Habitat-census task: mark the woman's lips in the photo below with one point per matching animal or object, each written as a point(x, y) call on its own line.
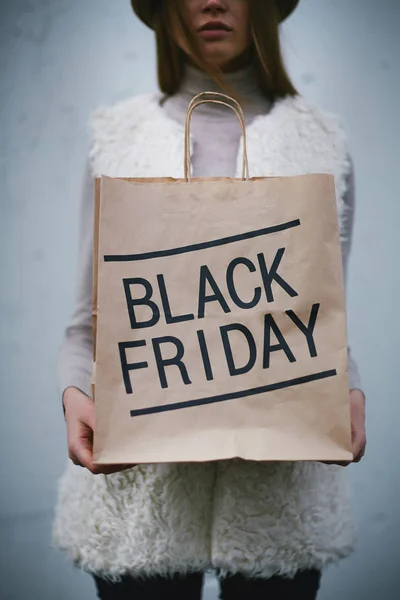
point(213, 35)
point(214, 31)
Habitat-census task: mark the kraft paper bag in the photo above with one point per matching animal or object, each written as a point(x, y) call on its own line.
point(219, 320)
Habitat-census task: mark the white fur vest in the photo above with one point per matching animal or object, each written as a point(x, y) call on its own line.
point(259, 519)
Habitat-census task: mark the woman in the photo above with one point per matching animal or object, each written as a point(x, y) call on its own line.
point(151, 531)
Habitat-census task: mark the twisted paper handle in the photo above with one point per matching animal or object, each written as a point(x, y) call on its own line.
point(222, 99)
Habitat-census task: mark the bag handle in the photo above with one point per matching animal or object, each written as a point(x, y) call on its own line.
point(224, 100)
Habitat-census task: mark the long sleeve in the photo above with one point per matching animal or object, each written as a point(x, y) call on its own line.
point(346, 237)
point(75, 361)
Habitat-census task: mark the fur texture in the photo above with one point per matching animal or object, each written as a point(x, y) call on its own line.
point(259, 519)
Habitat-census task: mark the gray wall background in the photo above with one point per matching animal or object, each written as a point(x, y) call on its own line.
point(59, 59)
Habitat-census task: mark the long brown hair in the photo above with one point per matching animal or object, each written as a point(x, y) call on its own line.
point(274, 80)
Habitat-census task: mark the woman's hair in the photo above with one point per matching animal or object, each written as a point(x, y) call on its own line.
point(273, 78)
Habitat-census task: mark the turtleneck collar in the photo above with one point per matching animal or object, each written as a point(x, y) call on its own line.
point(243, 83)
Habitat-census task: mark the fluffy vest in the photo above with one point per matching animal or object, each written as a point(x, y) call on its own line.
point(259, 519)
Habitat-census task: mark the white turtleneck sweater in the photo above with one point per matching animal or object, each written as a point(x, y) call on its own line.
point(216, 136)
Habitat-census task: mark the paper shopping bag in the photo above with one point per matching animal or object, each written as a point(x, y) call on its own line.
point(219, 320)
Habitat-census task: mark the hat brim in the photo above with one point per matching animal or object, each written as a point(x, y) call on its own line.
point(286, 7)
point(146, 9)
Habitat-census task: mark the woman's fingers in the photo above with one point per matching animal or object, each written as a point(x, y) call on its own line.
point(357, 410)
point(336, 463)
point(79, 416)
point(359, 444)
point(81, 451)
point(358, 436)
point(80, 444)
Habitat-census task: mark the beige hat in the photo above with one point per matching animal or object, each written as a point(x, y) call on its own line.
point(146, 9)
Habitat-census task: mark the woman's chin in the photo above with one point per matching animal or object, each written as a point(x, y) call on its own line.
point(221, 58)
point(216, 57)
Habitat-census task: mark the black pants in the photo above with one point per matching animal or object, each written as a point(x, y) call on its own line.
point(303, 587)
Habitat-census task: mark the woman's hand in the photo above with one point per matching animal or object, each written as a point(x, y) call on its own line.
point(358, 435)
point(79, 416)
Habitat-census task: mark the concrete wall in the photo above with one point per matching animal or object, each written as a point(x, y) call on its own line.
point(59, 59)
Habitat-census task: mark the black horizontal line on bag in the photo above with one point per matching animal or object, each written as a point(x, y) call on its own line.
point(202, 245)
point(234, 395)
